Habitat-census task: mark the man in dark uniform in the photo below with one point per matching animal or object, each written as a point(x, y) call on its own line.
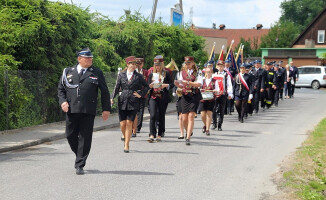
point(269, 85)
point(278, 83)
point(295, 76)
point(282, 69)
point(142, 101)
point(259, 84)
point(77, 92)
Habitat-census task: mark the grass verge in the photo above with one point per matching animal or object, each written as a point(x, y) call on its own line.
point(306, 176)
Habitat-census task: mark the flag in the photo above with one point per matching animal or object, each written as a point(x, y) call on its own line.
point(221, 56)
point(239, 61)
point(212, 57)
point(231, 57)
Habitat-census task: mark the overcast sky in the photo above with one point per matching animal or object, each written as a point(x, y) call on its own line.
point(234, 13)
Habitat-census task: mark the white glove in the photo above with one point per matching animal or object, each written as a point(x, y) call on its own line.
point(173, 94)
point(250, 96)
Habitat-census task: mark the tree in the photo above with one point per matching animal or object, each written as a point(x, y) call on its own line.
point(281, 35)
point(301, 12)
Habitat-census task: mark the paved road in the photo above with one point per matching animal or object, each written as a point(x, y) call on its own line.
point(236, 163)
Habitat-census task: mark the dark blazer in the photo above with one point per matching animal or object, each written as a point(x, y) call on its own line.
point(83, 99)
point(127, 101)
point(260, 76)
point(279, 79)
point(239, 88)
point(165, 92)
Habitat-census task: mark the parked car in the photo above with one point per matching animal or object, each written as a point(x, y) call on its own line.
point(312, 76)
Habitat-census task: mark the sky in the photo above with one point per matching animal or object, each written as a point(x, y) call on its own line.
point(235, 14)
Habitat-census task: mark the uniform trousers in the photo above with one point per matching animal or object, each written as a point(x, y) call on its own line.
point(276, 96)
point(293, 87)
point(270, 96)
point(256, 98)
point(263, 99)
point(156, 112)
point(220, 104)
point(140, 113)
point(79, 132)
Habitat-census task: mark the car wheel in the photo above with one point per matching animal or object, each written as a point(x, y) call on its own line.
point(315, 85)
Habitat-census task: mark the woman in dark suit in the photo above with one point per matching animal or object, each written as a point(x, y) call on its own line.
point(160, 83)
point(132, 86)
point(242, 91)
point(288, 82)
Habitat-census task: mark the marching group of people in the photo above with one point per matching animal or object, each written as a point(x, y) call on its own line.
point(213, 92)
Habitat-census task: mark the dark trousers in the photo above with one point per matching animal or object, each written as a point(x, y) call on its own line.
point(219, 108)
point(256, 98)
point(156, 112)
point(288, 89)
point(140, 113)
point(241, 105)
point(263, 99)
point(164, 108)
point(293, 87)
point(269, 96)
point(276, 96)
point(79, 132)
point(281, 92)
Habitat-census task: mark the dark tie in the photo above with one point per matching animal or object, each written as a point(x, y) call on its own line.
point(81, 73)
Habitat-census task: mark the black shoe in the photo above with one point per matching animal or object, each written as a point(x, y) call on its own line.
point(122, 139)
point(138, 131)
point(204, 129)
point(162, 134)
point(208, 133)
point(79, 171)
point(158, 139)
point(181, 137)
point(192, 133)
point(241, 120)
point(214, 127)
point(187, 142)
point(133, 135)
point(150, 140)
point(219, 128)
point(126, 150)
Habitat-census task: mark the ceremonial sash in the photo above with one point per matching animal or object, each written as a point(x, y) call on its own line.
point(244, 83)
point(220, 82)
point(227, 71)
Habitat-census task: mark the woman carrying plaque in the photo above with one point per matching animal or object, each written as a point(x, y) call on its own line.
point(242, 91)
point(189, 82)
point(206, 105)
point(160, 83)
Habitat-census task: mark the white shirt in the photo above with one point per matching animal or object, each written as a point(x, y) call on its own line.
point(228, 82)
point(79, 68)
point(129, 74)
point(199, 78)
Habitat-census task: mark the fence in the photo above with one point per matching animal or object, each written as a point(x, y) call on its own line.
point(29, 98)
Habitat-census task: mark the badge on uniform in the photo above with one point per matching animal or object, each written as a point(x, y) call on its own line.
point(69, 77)
point(92, 77)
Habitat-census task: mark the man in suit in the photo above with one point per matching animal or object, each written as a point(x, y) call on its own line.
point(77, 92)
point(295, 76)
point(259, 84)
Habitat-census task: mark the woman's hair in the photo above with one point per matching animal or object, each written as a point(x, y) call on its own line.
point(287, 66)
point(206, 71)
point(161, 70)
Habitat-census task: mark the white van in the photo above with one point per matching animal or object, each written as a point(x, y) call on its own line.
point(311, 76)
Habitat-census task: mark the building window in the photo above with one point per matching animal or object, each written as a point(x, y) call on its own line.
point(321, 36)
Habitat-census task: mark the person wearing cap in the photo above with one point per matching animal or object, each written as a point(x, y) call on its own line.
point(138, 123)
point(277, 83)
point(259, 85)
point(282, 69)
point(249, 108)
point(188, 82)
point(242, 91)
point(210, 64)
point(269, 84)
point(133, 87)
point(78, 92)
point(226, 89)
point(232, 73)
point(160, 82)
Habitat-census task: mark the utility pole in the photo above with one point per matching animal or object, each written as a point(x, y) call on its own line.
point(181, 7)
point(154, 10)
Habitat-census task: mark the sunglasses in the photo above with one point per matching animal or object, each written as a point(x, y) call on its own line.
point(132, 62)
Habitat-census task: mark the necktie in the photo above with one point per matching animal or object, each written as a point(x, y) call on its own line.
point(81, 73)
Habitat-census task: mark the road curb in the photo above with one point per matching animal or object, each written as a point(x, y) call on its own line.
point(62, 136)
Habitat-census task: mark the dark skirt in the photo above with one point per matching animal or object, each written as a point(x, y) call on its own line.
point(178, 105)
point(188, 104)
point(127, 115)
point(240, 98)
point(206, 106)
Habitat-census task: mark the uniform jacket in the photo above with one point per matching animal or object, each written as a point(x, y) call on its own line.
point(239, 88)
point(279, 79)
point(270, 78)
point(83, 99)
point(260, 76)
point(295, 73)
point(127, 101)
point(165, 92)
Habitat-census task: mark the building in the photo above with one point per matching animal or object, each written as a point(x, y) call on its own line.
point(306, 49)
point(223, 36)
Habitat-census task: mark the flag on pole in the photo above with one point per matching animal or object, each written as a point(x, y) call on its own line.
point(221, 56)
point(232, 59)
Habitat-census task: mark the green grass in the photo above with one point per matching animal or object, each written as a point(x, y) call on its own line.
point(307, 174)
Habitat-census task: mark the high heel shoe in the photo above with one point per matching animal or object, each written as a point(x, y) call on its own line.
point(125, 150)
